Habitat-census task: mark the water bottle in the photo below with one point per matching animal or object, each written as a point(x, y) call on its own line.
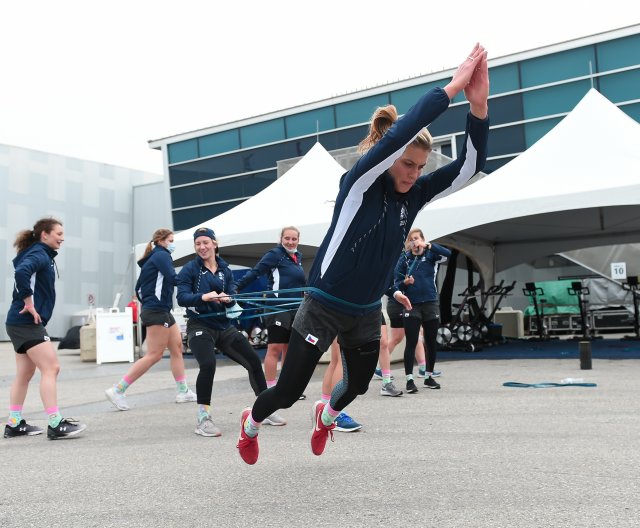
point(569, 381)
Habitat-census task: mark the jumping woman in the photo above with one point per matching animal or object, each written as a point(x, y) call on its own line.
point(378, 200)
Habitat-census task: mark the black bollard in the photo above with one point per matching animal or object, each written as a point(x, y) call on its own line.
point(585, 355)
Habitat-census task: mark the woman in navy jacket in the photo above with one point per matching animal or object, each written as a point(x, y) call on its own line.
point(34, 297)
point(205, 288)
point(415, 276)
point(154, 288)
point(283, 267)
point(378, 200)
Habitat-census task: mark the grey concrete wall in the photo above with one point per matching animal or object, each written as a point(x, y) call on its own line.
point(94, 201)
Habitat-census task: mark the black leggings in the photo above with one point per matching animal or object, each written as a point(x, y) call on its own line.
point(412, 333)
point(237, 348)
point(302, 357)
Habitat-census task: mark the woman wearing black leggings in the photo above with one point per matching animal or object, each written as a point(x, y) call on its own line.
point(415, 275)
point(204, 286)
point(378, 200)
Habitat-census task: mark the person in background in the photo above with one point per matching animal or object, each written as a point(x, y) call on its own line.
point(384, 358)
point(332, 376)
point(378, 200)
point(205, 288)
point(155, 287)
point(282, 266)
point(34, 298)
point(415, 276)
point(395, 312)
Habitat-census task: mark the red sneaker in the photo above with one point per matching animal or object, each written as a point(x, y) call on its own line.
point(319, 432)
point(247, 446)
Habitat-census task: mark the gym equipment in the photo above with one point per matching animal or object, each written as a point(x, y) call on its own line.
point(458, 334)
point(479, 321)
point(632, 285)
point(530, 290)
point(581, 291)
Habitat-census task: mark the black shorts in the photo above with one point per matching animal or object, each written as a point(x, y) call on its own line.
point(427, 311)
point(395, 311)
point(319, 325)
point(157, 318)
point(281, 319)
point(24, 337)
point(278, 335)
point(279, 326)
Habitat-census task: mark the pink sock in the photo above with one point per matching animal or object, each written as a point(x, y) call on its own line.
point(331, 412)
point(325, 398)
point(271, 383)
point(15, 407)
point(52, 410)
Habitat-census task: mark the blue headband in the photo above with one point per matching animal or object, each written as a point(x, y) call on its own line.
point(204, 231)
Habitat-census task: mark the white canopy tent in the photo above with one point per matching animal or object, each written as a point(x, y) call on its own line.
point(578, 186)
point(561, 194)
point(304, 197)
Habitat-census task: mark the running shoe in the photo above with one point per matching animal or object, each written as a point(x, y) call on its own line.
point(346, 424)
point(377, 375)
point(422, 371)
point(319, 432)
point(67, 428)
point(247, 445)
point(118, 399)
point(206, 427)
point(436, 374)
point(411, 387)
point(274, 419)
point(430, 383)
point(389, 389)
point(302, 397)
point(22, 429)
point(185, 397)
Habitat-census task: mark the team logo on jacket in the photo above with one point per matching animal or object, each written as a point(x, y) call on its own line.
point(403, 215)
point(311, 339)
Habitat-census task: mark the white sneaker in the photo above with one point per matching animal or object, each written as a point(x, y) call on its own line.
point(206, 427)
point(185, 397)
point(119, 400)
point(274, 419)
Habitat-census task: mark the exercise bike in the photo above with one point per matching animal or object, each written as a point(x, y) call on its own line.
point(457, 333)
point(580, 292)
point(533, 292)
point(632, 286)
point(479, 321)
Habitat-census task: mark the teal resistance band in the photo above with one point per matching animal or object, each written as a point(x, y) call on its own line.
point(256, 299)
point(545, 385)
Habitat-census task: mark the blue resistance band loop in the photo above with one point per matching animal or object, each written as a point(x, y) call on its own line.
point(260, 301)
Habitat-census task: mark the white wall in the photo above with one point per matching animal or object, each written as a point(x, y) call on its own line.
point(94, 201)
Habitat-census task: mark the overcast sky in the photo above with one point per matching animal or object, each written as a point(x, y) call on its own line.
point(97, 80)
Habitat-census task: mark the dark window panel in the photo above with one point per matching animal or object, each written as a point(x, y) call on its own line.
point(216, 191)
point(238, 162)
point(193, 217)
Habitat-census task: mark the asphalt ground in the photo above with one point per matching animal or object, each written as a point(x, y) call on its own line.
point(474, 454)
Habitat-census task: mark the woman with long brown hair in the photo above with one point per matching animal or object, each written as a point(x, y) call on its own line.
point(34, 297)
point(378, 200)
point(154, 288)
